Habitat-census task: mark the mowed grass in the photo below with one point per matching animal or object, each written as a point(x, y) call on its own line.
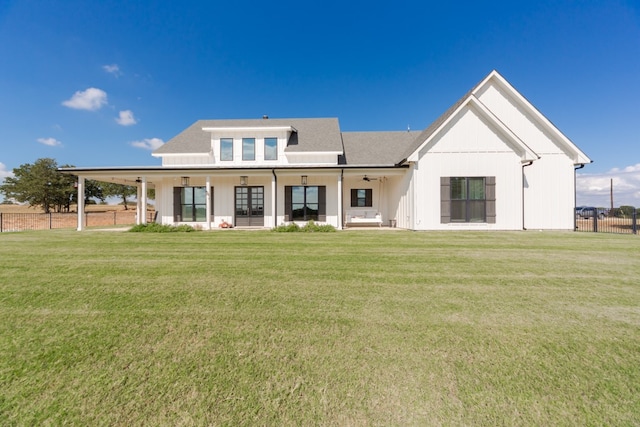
point(349, 328)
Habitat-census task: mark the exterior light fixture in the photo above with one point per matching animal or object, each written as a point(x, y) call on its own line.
point(303, 180)
point(244, 180)
point(185, 181)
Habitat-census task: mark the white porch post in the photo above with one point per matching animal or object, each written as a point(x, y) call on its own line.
point(274, 208)
point(143, 201)
point(80, 203)
point(208, 202)
point(340, 201)
point(138, 210)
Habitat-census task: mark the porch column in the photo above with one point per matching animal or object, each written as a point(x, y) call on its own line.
point(274, 199)
point(80, 203)
point(143, 200)
point(340, 202)
point(138, 209)
point(208, 202)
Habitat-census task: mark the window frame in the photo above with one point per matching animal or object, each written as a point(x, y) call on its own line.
point(180, 205)
point(321, 203)
point(275, 148)
point(448, 201)
point(359, 200)
point(245, 152)
point(226, 143)
point(468, 194)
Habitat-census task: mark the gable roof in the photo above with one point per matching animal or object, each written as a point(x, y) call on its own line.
point(572, 150)
point(309, 135)
point(470, 99)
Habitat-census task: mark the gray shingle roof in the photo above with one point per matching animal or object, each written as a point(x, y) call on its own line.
point(376, 148)
point(321, 134)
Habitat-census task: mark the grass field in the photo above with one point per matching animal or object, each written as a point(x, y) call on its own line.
point(349, 328)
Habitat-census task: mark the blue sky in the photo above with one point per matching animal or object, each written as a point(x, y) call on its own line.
point(101, 83)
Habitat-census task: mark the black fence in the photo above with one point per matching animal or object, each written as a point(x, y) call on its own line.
point(42, 221)
point(608, 222)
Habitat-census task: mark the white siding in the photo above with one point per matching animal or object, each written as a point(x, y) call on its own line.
point(506, 169)
point(549, 194)
point(468, 147)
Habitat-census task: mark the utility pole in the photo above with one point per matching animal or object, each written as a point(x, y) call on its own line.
point(611, 194)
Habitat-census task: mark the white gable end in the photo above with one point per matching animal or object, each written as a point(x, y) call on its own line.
point(471, 133)
point(524, 120)
point(473, 128)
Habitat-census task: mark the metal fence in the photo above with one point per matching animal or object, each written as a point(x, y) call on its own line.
point(622, 224)
point(50, 221)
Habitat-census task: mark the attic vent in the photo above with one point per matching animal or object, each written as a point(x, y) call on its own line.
point(265, 117)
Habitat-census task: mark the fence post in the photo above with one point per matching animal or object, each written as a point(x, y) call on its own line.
point(0, 222)
point(595, 222)
point(634, 221)
point(50, 220)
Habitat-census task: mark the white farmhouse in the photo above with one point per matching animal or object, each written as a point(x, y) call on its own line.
point(490, 162)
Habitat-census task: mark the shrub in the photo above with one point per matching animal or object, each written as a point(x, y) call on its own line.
point(160, 228)
point(309, 227)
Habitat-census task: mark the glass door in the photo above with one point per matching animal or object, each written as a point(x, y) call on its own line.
point(249, 206)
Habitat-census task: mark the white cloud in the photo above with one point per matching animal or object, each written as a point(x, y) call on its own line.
point(126, 118)
point(148, 143)
point(595, 189)
point(112, 69)
point(91, 99)
point(4, 173)
point(51, 142)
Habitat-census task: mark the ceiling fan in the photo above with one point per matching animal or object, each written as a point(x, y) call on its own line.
point(366, 178)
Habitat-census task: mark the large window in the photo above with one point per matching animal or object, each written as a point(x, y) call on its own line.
point(226, 149)
point(304, 203)
point(467, 199)
point(190, 204)
point(248, 148)
point(271, 148)
point(361, 198)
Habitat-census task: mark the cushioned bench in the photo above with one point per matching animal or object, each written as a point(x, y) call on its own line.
point(363, 218)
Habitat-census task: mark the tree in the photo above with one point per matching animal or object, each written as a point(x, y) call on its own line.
point(118, 190)
point(40, 184)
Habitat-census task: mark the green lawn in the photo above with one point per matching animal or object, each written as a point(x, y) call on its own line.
point(348, 328)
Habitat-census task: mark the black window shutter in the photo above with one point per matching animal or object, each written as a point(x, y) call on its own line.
point(445, 200)
point(368, 197)
point(211, 202)
point(288, 214)
point(177, 204)
point(354, 197)
point(490, 194)
point(322, 203)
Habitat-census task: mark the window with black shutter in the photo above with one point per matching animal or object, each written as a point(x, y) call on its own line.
point(467, 199)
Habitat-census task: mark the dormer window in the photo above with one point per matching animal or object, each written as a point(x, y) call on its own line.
point(226, 149)
point(271, 148)
point(248, 148)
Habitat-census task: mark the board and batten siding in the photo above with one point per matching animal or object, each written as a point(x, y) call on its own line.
point(549, 182)
point(505, 168)
point(549, 193)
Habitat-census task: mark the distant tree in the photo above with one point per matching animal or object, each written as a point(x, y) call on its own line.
point(39, 184)
point(627, 210)
point(121, 191)
point(93, 190)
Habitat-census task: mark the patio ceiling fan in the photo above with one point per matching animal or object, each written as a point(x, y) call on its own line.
point(366, 178)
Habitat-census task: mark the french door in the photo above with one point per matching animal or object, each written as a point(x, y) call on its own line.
point(249, 206)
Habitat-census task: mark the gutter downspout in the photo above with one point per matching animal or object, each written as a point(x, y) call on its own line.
point(275, 199)
point(575, 196)
point(529, 163)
